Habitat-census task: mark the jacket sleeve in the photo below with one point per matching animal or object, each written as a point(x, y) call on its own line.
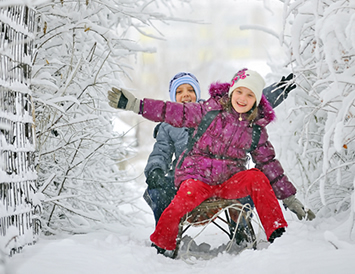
point(176, 114)
point(163, 150)
point(264, 159)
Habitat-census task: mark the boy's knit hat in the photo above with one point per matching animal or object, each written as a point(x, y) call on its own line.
point(184, 78)
point(249, 79)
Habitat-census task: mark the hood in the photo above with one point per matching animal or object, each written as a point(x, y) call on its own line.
point(266, 112)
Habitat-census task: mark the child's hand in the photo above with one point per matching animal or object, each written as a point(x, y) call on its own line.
point(297, 207)
point(123, 99)
point(156, 179)
point(289, 82)
point(278, 92)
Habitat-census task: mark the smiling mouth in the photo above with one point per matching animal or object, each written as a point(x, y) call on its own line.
point(189, 101)
point(241, 104)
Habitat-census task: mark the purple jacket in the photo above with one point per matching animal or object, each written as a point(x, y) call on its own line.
point(221, 151)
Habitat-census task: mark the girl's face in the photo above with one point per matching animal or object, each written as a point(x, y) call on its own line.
point(242, 99)
point(185, 93)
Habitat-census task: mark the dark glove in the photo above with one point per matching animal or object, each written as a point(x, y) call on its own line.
point(297, 207)
point(290, 85)
point(123, 99)
point(278, 92)
point(156, 179)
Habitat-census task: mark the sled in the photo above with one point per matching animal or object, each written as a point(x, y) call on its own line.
point(236, 222)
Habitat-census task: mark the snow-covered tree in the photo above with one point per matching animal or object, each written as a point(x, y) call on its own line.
point(319, 41)
point(80, 53)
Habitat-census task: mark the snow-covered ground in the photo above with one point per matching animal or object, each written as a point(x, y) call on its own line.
point(320, 246)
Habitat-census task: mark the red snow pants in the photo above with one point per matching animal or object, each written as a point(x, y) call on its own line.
point(193, 192)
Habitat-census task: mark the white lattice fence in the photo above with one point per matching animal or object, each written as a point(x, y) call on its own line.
point(19, 207)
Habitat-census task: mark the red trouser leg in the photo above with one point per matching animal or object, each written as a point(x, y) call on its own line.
point(190, 194)
point(254, 183)
point(193, 192)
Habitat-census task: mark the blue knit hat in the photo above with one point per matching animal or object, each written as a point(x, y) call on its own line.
point(184, 78)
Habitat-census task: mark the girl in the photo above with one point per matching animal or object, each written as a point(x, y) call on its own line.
point(216, 165)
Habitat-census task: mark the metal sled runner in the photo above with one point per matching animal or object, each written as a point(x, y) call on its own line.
point(236, 223)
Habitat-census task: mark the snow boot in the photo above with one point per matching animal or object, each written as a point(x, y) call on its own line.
point(276, 234)
point(167, 253)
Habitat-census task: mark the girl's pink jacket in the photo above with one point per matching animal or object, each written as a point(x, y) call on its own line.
point(221, 151)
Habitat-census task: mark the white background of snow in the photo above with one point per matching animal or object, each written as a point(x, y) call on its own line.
point(320, 246)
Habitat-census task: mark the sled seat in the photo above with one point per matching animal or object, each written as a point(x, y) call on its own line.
point(209, 211)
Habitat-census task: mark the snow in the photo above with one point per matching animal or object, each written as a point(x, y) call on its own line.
point(320, 246)
point(123, 128)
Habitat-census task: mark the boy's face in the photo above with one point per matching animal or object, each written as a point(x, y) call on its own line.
point(185, 93)
point(242, 99)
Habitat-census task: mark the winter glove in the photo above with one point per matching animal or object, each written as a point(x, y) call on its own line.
point(296, 207)
point(123, 99)
point(278, 92)
point(156, 179)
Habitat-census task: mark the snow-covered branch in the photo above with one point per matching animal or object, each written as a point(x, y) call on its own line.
point(319, 38)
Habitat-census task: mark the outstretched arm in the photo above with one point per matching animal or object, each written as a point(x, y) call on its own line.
point(176, 114)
